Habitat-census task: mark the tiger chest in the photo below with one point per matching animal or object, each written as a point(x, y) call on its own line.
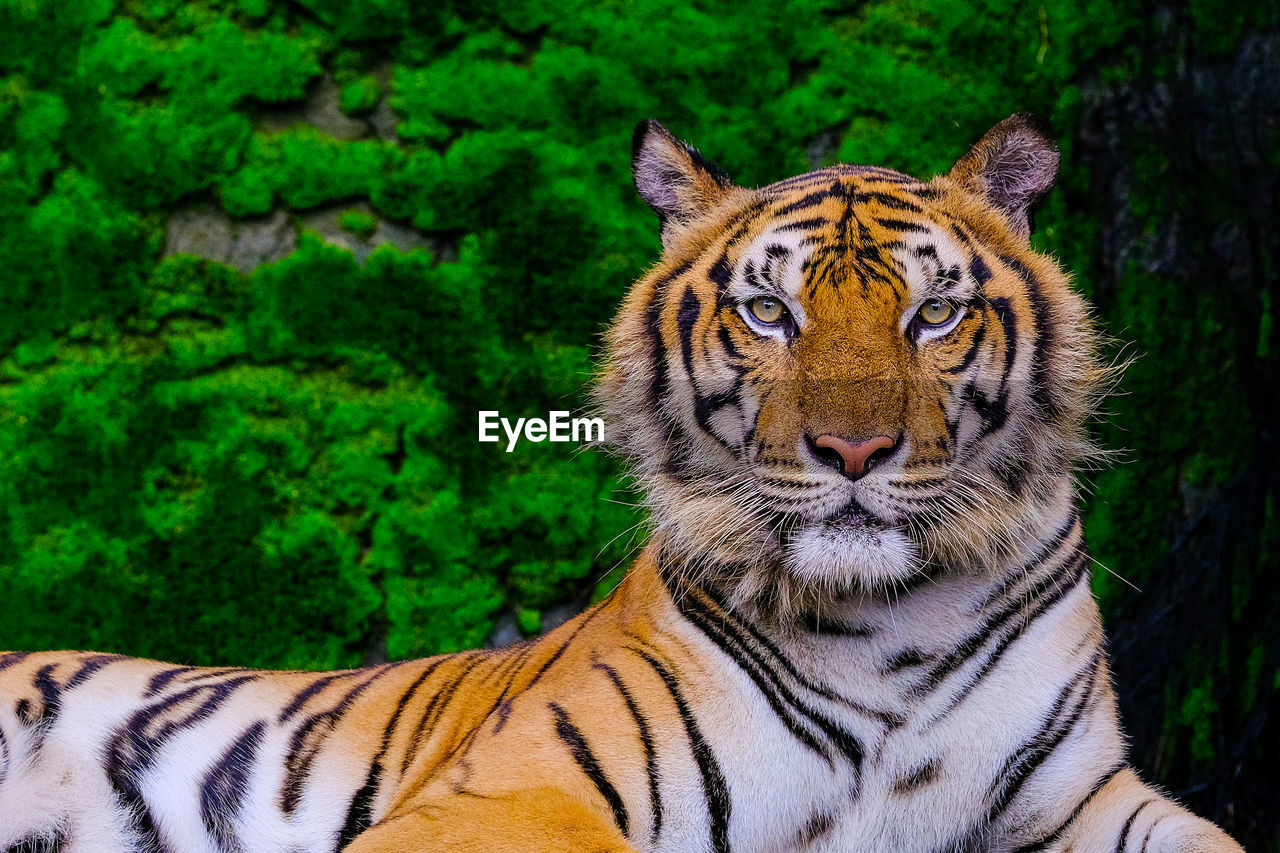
point(921, 729)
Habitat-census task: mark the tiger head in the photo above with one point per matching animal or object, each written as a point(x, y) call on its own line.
point(850, 378)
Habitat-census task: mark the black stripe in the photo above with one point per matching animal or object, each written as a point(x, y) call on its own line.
point(892, 201)
point(726, 616)
point(1034, 753)
point(586, 619)
point(962, 234)
point(901, 225)
point(501, 708)
point(906, 659)
point(995, 412)
point(1044, 596)
point(686, 317)
point(979, 270)
point(225, 785)
point(9, 659)
point(813, 199)
point(582, 754)
point(1053, 837)
point(714, 787)
point(1030, 756)
point(161, 679)
point(1048, 549)
point(720, 273)
point(653, 325)
point(781, 699)
point(136, 745)
point(1041, 392)
point(880, 173)
point(1150, 829)
point(50, 696)
point(310, 737)
point(208, 674)
point(51, 692)
point(435, 709)
point(660, 381)
point(730, 348)
point(967, 359)
point(817, 826)
point(89, 666)
point(405, 699)
point(516, 656)
point(1009, 320)
point(921, 777)
point(311, 690)
point(797, 182)
point(804, 224)
point(706, 405)
point(1122, 842)
point(360, 812)
point(646, 743)
point(784, 704)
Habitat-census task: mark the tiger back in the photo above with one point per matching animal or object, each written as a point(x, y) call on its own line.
point(853, 401)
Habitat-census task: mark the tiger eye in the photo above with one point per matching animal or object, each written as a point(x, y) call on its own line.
point(766, 309)
point(935, 312)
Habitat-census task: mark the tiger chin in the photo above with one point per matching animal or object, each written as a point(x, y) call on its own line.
point(853, 401)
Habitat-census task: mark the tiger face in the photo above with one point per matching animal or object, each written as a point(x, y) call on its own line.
point(849, 379)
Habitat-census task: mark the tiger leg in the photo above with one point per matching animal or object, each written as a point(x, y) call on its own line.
point(1128, 816)
point(542, 820)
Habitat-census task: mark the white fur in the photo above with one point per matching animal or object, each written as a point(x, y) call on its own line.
point(842, 554)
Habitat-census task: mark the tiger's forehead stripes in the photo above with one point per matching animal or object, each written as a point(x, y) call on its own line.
point(842, 170)
point(855, 223)
point(847, 186)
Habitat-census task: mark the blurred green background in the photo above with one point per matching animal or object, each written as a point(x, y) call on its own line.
point(262, 262)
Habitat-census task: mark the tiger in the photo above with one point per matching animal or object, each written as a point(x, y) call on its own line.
point(855, 403)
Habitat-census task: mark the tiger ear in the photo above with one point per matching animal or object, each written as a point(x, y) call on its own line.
point(673, 178)
point(1013, 166)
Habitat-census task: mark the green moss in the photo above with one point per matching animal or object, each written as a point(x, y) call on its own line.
point(1197, 712)
point(254, 9)
point(529, 622)
point(370, 19)
point(304, 168)
point(359, 222)
point(360, 95)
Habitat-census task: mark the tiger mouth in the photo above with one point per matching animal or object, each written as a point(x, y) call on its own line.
point(853, 515)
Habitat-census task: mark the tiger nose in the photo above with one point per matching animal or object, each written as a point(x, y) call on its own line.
point(852, 458)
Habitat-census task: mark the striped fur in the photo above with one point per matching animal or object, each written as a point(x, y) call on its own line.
point(800, 660)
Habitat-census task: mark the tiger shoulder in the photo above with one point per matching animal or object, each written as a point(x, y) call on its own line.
point(854, 402)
